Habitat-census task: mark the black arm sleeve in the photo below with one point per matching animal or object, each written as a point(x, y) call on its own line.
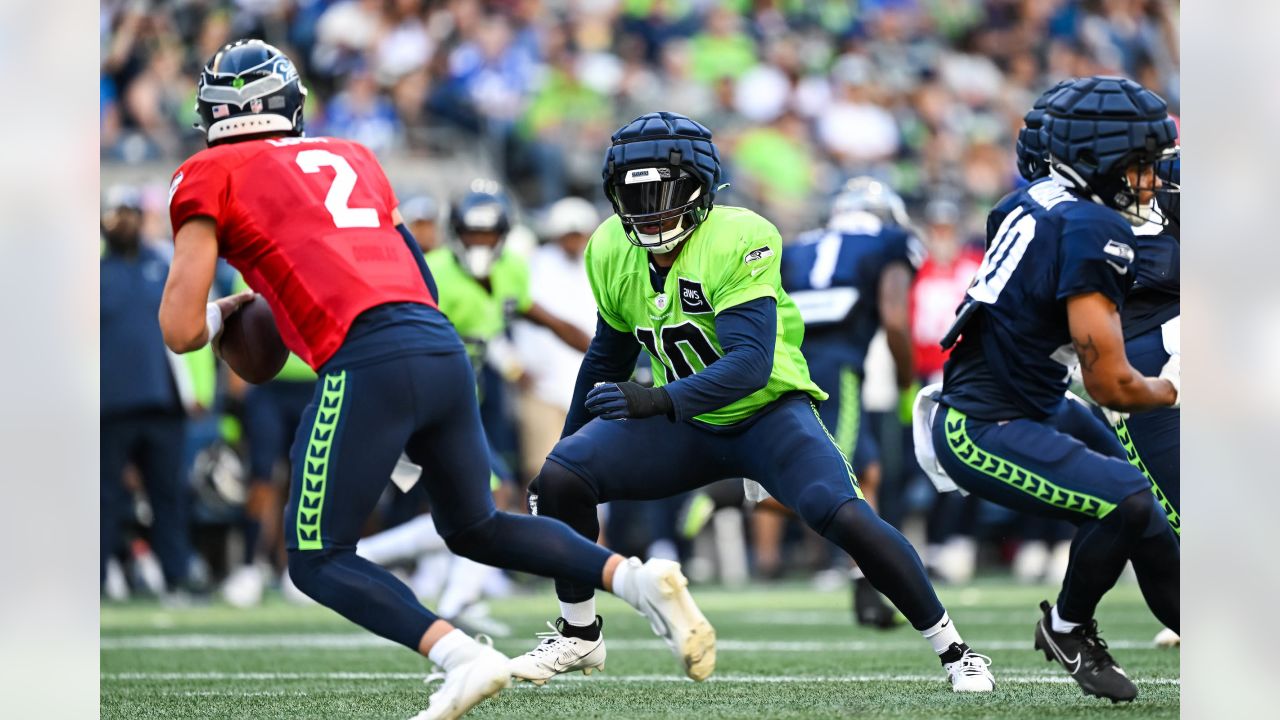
point(611, 357)
point(747, 335)
point(416, 252)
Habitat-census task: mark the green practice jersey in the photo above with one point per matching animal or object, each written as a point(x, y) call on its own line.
point(479, 314)
point(733, 257)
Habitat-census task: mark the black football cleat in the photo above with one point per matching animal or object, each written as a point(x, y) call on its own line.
point(1085, 656)
point(871, 609)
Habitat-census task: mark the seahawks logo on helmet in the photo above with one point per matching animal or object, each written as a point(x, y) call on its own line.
point(249, 88)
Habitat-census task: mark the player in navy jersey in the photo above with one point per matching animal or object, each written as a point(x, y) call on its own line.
point(1149, 315)
point(848, 280)
point(1046, 297)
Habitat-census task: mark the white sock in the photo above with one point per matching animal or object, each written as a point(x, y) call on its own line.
point(942, 635)
point(579, 614)
point(453, 649)
point(622, 577)
point(1060, 625)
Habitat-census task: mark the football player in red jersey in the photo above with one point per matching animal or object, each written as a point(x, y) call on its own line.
point(312, 225)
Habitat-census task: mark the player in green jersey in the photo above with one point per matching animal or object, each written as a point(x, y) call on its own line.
point(699, 288)
point(484, 285)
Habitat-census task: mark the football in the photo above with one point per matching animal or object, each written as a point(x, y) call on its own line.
point(250, 343)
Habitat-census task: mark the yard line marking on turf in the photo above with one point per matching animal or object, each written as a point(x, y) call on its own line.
point(1020, 678)
point(351, 641)
point(965, 619)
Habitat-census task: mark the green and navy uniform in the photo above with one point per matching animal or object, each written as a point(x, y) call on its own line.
point(724, 339)
point(1151, 438)
point(1005, 430)
point(834, 277)
point(478, 313)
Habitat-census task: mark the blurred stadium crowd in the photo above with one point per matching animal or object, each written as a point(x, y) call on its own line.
point(926, 95)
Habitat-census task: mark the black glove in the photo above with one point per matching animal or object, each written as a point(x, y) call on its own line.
point(618, 401)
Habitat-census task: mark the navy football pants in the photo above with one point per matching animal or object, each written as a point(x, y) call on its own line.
point(787, 450)
point(843, 412)
point(350, 437)
point(1071, 467)
point(1152, 439)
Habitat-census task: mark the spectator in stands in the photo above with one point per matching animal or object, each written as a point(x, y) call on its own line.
point(550, 365)
point(421, 214)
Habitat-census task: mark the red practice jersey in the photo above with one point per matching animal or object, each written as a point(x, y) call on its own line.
point(937, 291)
point(307, 221)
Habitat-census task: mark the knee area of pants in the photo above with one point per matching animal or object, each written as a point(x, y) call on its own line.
point(305, 567)
point(815, 504)
point(556, 481)
point(1137, 513)
point(474, 540)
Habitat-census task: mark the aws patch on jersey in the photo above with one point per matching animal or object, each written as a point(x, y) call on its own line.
point(759, 253)
point(692, 300)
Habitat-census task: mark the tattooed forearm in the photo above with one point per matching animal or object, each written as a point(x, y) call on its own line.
point(1087, 351)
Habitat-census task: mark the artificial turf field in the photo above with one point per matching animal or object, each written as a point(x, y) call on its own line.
point(784, 652)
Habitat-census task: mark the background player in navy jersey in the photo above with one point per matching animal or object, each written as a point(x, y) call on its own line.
point(312, 225)
point(1150, 313)
point(848, 280)
point(1047, 296)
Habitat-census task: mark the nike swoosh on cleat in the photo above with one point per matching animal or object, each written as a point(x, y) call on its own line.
point(656, 622)
point(1062, 657)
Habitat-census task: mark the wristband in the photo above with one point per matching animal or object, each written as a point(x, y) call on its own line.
point(212, 321)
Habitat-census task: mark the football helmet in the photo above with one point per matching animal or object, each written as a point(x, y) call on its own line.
point(484, 209)
point(249, 88)
point(865, 194)
point(1097, 128)
point(1030, 147)
point(661, 174)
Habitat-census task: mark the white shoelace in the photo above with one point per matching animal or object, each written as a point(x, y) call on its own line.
point(972, 664)
point(550, 642)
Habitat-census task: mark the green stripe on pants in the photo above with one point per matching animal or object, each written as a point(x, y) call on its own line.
point(850, 414)
point(315, 470)
point(1122, 432)
point(853, 479)
point(1016, 476)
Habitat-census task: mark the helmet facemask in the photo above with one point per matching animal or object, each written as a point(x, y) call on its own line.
point(489, 218)
point(1131, 190)
point(659, 205)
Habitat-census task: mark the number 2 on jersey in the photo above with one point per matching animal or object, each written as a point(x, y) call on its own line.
point(344, 181)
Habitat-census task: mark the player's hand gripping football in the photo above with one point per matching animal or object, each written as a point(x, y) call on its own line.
point(232, 303)
point(619, 401)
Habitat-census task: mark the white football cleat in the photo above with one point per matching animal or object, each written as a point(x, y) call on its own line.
point(466, 685)
point(971, 673)
point(661, 593)
point(558, 654)
point(1167, 638)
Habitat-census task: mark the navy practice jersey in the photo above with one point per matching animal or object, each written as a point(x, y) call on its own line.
point(833, 275)
point(1153, 299)
point(1013, 357)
